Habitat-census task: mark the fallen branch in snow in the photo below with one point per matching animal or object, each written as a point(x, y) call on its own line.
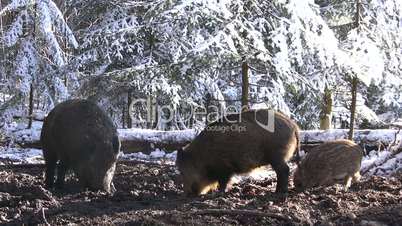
point(395, 140)
point(397, 125)
point(29, 144)
point(377, 166)
point(33, 117)
point(374, 165)
point(394, 148)
point(241, 212)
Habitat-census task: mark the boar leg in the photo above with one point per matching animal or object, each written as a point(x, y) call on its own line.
point(51, 161)
point(282, 174)
point(223, 183)
point(348, 182)
point(112, 188)
point(61, 174)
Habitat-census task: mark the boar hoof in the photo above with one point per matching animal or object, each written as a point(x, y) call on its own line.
point(281, 197)
point(59, 185)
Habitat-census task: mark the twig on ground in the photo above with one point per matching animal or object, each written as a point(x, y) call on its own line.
point(44, 217)
point(241, 212)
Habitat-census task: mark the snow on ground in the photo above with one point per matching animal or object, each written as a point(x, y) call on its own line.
point(34, 156)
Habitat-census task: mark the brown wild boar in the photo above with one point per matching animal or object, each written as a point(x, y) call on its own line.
point(329, 163)
point(237, 144)
point(78, 135)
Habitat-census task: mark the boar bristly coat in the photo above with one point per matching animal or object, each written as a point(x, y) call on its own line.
point(329, 163)
point(217, 153)
point(78, 135)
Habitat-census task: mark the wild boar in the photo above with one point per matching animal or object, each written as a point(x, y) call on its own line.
point(329, 163)
point(78, 135)
point(238, 144)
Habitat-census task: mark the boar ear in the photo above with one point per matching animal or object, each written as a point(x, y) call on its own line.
point(182, 152)
point(185, 148)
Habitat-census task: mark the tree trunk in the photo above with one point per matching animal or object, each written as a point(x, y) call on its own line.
point(129, 100)
point(111, 112)
point(123, 118)
point(31, 106)
point(155, 113)
point(326, 110)
point(1, 29)
point(357, 15)
point(207, 104)
point(65, 81)
point(38, 101)
point(244, 87)
point(354, 79)
point(353, 107)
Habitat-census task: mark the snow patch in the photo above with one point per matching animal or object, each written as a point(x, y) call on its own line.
point(157, 156)
point(21, 156)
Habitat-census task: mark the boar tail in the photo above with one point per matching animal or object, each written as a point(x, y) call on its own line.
point(298, 157)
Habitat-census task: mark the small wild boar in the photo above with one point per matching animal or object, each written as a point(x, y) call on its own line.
point(329, 163)
point(78, 135)
point(237, 144)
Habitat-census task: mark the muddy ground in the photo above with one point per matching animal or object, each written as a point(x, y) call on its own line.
point(148, 194)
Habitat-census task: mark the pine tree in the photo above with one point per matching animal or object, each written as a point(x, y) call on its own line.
point(32, 46)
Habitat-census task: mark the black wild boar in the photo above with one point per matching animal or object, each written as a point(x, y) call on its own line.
point(237, 144)
point(78, 135)
point(329, 163)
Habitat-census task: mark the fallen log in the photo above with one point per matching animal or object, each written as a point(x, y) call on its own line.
point(386, 136)
point(143, 140)
point(132, 140)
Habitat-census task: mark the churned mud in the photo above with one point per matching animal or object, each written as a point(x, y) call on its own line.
point(148, 194)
